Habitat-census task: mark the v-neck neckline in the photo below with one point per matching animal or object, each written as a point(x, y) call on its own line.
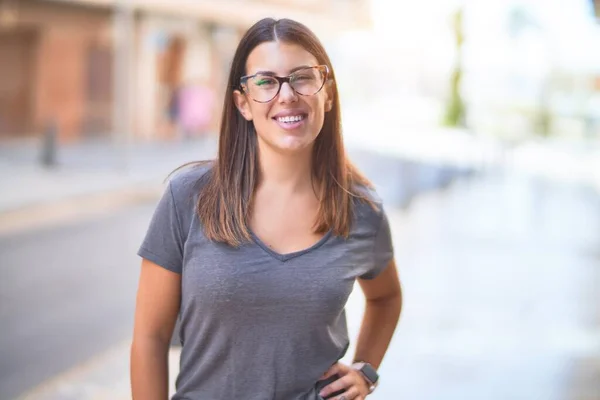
point(288, 256)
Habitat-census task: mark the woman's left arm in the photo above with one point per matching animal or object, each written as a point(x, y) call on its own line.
point(383, 305)
point(383, 296)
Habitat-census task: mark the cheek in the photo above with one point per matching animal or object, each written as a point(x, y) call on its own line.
point(318, 113)
point(259, 111)
point(260, 116)
point(262, 124)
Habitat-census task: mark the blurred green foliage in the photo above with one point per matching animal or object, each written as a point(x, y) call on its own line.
point(455, 107)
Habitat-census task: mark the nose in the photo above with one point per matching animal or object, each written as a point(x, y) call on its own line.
point(287, 94)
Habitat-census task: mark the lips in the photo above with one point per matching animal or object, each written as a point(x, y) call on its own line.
point(290, 119)
point(291, 112)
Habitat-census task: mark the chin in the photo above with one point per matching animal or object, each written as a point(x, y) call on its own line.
point(288, 142)
point(294, 149)
point(295, 143)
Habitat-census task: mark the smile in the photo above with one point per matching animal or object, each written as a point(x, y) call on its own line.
point(291, 122)
point(291, 119)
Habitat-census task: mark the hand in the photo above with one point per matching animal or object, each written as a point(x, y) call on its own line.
point(352, 382)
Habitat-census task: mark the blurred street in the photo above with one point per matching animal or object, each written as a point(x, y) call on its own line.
point(500, 276)
point(89, 167)
point(67, 294)
point(501, 286)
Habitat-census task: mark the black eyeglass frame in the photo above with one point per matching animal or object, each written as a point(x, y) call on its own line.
point(283, 79)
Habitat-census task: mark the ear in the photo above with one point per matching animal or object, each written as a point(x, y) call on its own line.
point(329, 95)
point(241, 102)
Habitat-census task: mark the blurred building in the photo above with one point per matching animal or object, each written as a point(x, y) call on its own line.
point(93, 67)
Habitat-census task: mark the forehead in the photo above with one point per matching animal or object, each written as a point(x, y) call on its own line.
point(278, 57)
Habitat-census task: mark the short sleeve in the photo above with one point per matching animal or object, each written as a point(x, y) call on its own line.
point(163, 243)
point(383, 250)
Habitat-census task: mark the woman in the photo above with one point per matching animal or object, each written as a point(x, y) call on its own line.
point(258, 251)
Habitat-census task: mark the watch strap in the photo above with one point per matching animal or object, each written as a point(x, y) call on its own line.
point(368, 373)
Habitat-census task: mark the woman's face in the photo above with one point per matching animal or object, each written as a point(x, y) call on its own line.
point(290, 122)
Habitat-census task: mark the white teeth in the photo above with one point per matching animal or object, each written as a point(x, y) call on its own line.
point(294, 118)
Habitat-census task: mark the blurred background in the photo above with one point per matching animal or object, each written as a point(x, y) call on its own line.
point(478, 121)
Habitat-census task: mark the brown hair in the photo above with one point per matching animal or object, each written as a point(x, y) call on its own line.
point(225, 201)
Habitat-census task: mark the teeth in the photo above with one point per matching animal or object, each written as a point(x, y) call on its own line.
point(294, 118)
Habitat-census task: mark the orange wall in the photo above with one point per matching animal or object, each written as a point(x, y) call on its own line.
point(59, 91)
point(60, 84)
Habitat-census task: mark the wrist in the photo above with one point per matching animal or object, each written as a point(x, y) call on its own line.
point(368, 373)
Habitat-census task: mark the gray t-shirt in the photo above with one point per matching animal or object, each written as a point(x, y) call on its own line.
point(255, 324)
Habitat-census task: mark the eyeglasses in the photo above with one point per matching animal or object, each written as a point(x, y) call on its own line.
point(264, 87)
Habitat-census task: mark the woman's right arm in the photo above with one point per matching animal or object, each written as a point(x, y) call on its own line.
point(157, 306)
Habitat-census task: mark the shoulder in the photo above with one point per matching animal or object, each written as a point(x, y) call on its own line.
point(186, 183)
point(190, 178)
point(364, 192)
point(368, 208)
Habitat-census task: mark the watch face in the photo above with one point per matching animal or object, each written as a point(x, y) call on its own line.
point(370, 373)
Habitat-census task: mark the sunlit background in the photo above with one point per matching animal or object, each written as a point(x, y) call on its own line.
point(478, 121)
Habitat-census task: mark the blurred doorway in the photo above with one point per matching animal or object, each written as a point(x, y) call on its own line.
point(99, 91)
point(170, 78)
point(17, 52)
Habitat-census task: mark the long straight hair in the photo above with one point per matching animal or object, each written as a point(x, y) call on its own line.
point(225, 202)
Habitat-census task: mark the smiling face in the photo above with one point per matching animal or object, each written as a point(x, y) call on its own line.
point(290, 122)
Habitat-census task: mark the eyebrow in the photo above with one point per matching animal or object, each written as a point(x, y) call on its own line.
point(271, 73)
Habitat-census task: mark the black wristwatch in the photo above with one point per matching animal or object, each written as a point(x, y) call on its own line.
point(369, 373)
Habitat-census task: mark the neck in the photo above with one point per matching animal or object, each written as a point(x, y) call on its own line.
point(291, 172)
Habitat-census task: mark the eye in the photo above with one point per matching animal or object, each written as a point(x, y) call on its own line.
point(264, 81)
point(303, 76)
